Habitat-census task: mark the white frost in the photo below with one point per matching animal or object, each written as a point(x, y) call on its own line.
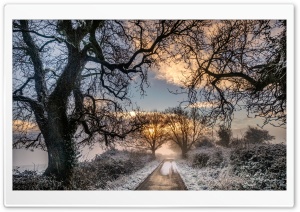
point(130, 182)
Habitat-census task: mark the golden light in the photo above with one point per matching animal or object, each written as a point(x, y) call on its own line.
point(132, 113)
point(24, 125)
point(151, 131)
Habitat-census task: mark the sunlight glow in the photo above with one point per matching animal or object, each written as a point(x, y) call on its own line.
point(151, 131)
point(132, 113)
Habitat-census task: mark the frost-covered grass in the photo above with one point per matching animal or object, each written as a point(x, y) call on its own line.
point(260, 167)
point(131, 181)
point(32, 180)
point(90, 175)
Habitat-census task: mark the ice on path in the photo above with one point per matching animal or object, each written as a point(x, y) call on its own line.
point(168, 168)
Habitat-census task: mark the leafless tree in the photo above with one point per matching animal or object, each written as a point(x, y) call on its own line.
point(236, 64)
point(186, 127)
point(71, 79)
point(152, 134)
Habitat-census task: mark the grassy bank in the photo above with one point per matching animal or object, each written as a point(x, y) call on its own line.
point(257, 167)
point(89, 175)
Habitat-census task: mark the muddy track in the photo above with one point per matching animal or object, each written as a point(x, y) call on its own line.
point(158, 180)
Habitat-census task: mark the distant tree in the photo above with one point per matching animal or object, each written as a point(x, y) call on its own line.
point(257, 136)
point(152, 134)
point(225, 135)
point(186, 127)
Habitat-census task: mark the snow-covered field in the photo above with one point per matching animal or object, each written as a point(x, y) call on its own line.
point(130, 182)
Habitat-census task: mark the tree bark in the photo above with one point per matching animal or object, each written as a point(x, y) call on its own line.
point(60, 146)
point(61, 160)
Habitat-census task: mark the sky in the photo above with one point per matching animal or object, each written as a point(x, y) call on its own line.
point(158, 96)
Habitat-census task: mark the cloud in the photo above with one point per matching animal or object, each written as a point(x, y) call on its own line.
point(202, 105)
point(173, 73)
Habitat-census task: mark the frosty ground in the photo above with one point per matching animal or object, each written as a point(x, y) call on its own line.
point(257, 167)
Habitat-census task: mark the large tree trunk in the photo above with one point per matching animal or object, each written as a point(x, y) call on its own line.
point(61, 159)
point(59, 131)
point(60, 145)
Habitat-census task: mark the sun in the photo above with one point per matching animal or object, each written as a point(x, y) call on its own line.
point(132, 113)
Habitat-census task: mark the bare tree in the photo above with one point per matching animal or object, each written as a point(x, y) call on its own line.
point(73, 76)
point(153, 133)
point(236, 64)
point(186, 128)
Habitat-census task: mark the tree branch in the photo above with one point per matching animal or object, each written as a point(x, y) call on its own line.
point(39, 74)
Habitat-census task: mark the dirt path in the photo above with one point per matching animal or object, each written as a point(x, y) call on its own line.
point(164, 177)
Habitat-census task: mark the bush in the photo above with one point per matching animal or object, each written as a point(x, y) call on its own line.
point(108, 167)
point(236, 142)
point(263, 166)
point(200, 160)
point(205, 142)
point(224, 135)
point(216, 159)
point(213, 159)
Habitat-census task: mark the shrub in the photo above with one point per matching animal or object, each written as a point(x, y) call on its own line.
point(205, 142)
point(213, 159)
point(200, 160)
point(216, 159)
point(236, 142)
point(263, 166)
point(224, 135)
point(108, 167)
